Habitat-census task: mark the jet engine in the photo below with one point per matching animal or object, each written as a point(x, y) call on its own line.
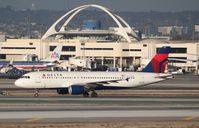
point(76, 89)
point(62, 91)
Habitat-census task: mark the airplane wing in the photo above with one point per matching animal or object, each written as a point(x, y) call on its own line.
point(92, 85)
point(107, 82)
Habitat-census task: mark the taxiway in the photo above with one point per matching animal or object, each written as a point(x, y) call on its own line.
point(173, 100)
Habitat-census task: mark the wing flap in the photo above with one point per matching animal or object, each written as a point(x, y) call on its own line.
point(93, 85)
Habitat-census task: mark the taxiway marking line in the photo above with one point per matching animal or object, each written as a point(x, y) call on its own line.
point(190, 118)
point(33, 119)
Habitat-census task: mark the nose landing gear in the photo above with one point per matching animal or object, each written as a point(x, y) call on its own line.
point(36, 93)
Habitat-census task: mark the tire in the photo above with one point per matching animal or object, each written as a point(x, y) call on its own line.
point(36, 95)
point(94, 94)
point(85, 94)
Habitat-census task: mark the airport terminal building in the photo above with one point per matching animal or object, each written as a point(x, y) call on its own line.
point(113, 54)
point(116, 47)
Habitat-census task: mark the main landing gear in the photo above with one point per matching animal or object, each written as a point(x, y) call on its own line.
point(93, 94)
point(85, 94)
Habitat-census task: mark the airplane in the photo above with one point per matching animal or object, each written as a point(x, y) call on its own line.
point(76, 83)
point(29, 65)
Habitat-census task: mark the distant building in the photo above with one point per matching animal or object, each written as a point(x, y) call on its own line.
point(173, 30)
point(196, 32)
point(197, 28)
point(149, 30)
point(2, 37)
point(164, 30)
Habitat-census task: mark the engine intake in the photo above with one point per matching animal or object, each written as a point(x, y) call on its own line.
point(76, 89)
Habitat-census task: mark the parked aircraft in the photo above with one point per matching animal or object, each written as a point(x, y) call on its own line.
point(29, 65)
point(76, 83)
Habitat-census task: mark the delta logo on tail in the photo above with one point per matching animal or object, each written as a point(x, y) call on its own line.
point(159, 61)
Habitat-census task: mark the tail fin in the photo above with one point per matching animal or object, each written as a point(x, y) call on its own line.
point(10, 63)
point(14, 70)
point(159, 61)
point(55, 55)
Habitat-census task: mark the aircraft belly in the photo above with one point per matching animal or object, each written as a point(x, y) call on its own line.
point(54, 83)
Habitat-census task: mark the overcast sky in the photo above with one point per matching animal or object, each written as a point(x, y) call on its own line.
point(115, 5)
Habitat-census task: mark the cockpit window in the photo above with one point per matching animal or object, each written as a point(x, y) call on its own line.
point(27, 77)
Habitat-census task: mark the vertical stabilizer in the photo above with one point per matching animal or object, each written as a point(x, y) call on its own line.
point(55, 55)
point(159, 61)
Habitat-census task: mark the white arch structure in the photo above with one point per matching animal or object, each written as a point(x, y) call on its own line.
point(120, 31)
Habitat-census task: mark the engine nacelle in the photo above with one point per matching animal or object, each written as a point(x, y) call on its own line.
point(76, 89)
point(62, 91)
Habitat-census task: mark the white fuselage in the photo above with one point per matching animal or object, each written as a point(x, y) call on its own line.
point(60, 79)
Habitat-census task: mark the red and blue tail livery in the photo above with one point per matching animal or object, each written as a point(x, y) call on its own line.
point(159, 61)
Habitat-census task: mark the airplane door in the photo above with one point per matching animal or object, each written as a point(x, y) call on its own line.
point(38, 82)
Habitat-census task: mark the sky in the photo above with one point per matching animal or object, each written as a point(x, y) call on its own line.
point(115, 5)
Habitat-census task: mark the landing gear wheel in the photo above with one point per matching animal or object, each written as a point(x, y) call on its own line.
point(85, 94)
point(94, 94)
point(36, 93)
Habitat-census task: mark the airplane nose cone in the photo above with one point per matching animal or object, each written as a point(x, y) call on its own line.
point(18, 83)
